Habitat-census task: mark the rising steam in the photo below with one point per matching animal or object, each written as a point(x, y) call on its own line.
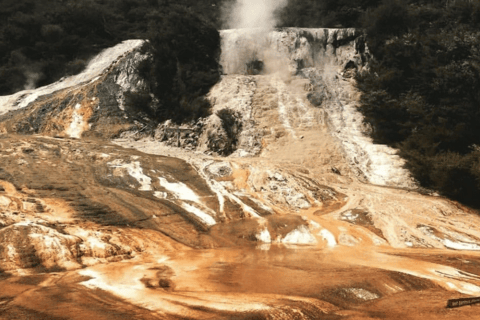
point(31, 79)
point(248, 43)
point(254, 14)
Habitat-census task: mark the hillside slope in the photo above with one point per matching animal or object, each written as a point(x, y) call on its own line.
point(276, 206)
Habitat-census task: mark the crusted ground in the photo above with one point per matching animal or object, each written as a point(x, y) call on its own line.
point(298, 222)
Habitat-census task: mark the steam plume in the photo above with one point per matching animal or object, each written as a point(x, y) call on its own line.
point(254, 14)
point(249, 44)
point(32, 79)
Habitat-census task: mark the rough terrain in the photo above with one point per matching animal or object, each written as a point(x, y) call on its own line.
point(305, 219)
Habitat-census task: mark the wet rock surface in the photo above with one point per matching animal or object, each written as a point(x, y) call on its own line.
point(274, 207)
point(108, 185)
point(152, 227)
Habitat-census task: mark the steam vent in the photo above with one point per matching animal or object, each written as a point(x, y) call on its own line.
point(277, 205)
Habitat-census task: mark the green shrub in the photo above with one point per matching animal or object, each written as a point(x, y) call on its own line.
point(326, 13)
point(186, 60)
point(421, 93)
point(67, 32)
point(232, 127)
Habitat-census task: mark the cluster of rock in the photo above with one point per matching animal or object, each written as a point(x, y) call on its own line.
point(28, 245)
point(185, 135)
point(292, 49)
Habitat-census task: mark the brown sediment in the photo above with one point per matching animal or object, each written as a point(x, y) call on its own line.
point(240, 177)
point(324, 245)
point(153, 245)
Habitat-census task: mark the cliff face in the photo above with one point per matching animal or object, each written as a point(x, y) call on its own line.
point(290, 49)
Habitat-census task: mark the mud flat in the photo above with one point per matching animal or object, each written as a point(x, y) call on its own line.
point(225, 284)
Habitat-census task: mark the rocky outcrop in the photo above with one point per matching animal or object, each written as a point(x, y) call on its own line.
point(291, 49)
point(328, 59)
point(109, 97)
point(29, 245)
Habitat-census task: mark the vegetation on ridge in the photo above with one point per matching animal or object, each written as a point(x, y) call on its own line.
point(422, 92)
point(44, 40)
point(325, 13)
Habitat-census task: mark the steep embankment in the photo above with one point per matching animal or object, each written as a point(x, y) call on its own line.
point(185, 232)
point(327, 58)
point(100, 101)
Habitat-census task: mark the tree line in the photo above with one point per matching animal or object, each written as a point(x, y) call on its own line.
point(42, 41)
point(422, 92)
